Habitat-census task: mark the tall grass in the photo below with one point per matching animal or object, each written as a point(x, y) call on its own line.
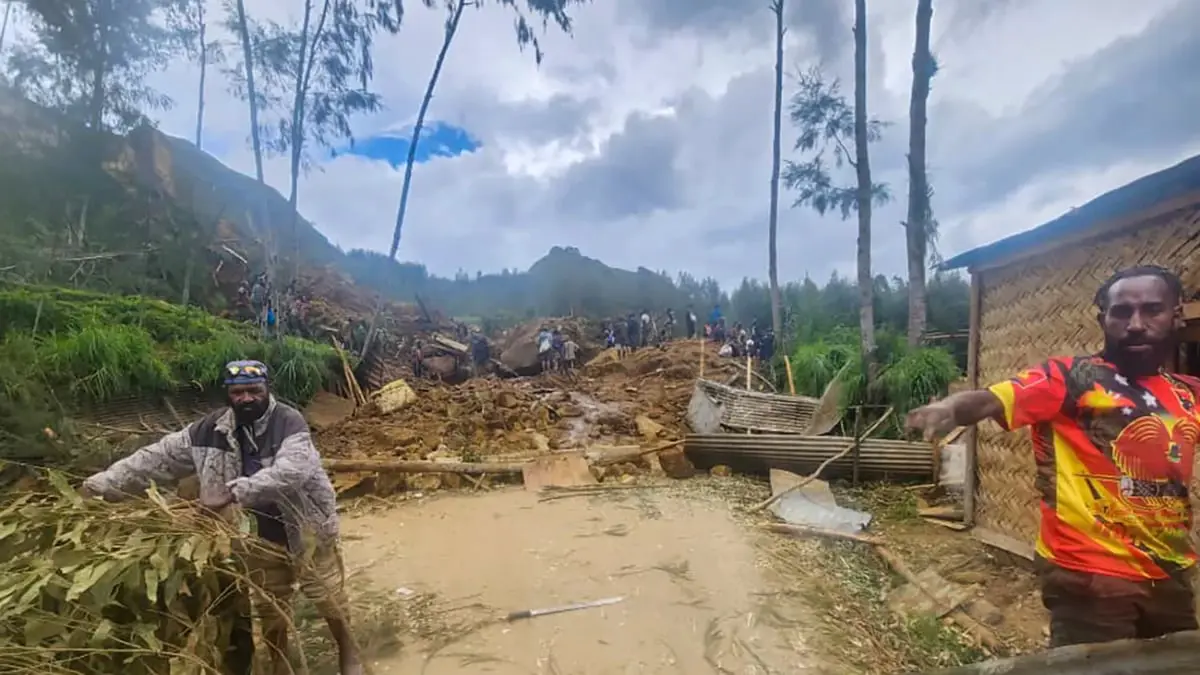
point(90, 348)
point(908, 377)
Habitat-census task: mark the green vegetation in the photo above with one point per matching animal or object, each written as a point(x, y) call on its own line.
point(63, 349)
point(907, 379)
point(92, 587)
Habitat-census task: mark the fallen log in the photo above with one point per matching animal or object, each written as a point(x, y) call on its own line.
point(392, 466)
point(1171, 655)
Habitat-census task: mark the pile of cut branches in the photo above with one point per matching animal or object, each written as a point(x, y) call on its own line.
point(144, 587)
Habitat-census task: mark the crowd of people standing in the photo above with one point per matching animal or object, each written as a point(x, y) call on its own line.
point(648, 330)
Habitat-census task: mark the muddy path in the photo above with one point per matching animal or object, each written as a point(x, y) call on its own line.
point(695, 597)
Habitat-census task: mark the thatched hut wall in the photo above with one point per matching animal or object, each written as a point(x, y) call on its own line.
point(1040, 305)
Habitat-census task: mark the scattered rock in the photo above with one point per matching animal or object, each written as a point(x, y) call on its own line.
point(424, 482)
point(984, 612)
point(676, 464)
point(648, 428)
point(721, 471)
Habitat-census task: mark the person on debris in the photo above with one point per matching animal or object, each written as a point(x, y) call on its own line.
point(257, 454)
point(610, 336)
point(645, 330)
point(766, 349)
point(631, 332)
point(557, 342)
point(570, 354)
point(480, 353)
point(690, 322)
point(669, 327)
point(545, 346)
point(714, 317)
point(258, 300)
point(271, 321)
point(418, 359)
point(726, 350)
point(1114, 435)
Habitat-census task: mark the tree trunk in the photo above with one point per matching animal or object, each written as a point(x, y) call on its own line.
point(310, 40)
point(251, 92)
point(451, 29)
point(919, 211)
point(203, 74)
point(297, 139)
point(99, 71)
point(4, 26)
point(773, 218)
point(866, 282)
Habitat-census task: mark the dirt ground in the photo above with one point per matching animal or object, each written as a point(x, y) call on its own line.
point(695, 598)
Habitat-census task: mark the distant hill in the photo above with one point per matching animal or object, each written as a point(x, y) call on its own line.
point(153, 214)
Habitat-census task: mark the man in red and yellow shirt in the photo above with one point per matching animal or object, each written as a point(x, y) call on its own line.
point(1114, 437)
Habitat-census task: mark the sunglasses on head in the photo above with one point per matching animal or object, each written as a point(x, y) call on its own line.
point(247, 370)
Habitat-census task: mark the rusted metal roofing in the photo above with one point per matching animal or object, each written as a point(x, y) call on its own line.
point(756, 411)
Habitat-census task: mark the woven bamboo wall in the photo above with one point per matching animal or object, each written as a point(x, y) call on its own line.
point(1042, 306)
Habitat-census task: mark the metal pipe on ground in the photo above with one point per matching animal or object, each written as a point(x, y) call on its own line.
point(1177, 654)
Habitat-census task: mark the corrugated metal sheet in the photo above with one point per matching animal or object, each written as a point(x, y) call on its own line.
point(758, 453)
point(756, 411)
point(136, 413)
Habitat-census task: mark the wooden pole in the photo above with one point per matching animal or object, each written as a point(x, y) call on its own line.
point(858, 415)
point(787, 362)
point(748, 371)
point(702, 340)
point(971, 479)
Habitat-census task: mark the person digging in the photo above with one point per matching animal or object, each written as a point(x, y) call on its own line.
point(258, 454)
point(1114, 436)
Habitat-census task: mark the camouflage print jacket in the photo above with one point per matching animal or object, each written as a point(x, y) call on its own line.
point(292, 476)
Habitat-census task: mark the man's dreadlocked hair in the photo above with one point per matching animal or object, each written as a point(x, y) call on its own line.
point(1174, 285)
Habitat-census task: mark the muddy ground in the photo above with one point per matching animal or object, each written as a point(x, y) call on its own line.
point(694, 598)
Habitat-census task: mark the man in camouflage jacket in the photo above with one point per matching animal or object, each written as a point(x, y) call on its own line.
point(257, 454)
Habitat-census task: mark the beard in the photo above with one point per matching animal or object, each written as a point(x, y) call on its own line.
point(1130, 360)
point(248, 413)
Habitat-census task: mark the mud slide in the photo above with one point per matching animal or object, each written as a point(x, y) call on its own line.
point(694, 598)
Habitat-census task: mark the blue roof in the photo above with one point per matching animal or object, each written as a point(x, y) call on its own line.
point(1123, 202)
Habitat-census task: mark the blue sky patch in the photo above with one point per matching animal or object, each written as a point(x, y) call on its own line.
point(438, 139)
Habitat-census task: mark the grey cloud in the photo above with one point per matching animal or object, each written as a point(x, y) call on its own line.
point(824, 22)
point(539, 122)
point(1135, 99)
point(634, 174)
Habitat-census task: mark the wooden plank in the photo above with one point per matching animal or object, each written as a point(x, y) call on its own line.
point(1191, 310)
point(1003, 542)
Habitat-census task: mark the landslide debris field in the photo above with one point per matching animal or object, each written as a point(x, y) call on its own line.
point(608, 402)
point(436, 560)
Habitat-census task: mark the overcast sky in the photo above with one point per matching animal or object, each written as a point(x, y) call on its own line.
point(644, 139)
